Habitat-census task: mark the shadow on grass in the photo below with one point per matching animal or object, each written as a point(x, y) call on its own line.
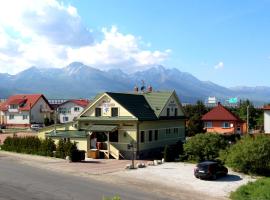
point(229, 178)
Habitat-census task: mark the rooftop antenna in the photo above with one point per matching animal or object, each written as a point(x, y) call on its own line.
point(143, 86)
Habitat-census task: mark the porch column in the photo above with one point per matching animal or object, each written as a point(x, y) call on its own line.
point(108, 144)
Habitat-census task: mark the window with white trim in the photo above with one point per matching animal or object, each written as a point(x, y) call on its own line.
point(25, 117)
point(11, 117)
point(76, 109)
point(208, 124)
point(225, 125)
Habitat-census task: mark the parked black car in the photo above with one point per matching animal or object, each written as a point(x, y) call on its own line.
point(210, 170)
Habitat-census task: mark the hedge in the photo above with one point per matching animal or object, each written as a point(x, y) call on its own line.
point(249, 155)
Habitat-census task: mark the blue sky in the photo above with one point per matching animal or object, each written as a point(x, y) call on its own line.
point(223, 41)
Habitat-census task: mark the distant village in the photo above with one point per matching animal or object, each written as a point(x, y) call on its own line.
point(111, 121)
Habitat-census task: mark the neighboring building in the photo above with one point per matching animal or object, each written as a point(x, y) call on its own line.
point(24, 110)
point(70, 109)
point(221, 120)
point(266, 119)
point(113, 121)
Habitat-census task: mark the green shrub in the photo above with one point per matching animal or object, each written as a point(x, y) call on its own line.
point(29, 145)
point(171, 152)
point(60, 149)
point(249, 155)
point(258, 190)
point(113, 198)
point(204, 147)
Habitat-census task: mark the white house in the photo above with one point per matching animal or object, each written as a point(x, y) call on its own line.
point(70, 109)
point(25, 109)
point(266, 119)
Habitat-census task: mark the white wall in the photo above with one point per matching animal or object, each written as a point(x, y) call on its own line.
point(70, 112)
point(18, 117)
point(267, 121)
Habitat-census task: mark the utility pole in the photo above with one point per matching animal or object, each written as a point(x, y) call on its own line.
point(55, 118)
point(248, 119)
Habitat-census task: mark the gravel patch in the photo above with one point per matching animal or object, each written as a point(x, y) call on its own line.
point(180, 175)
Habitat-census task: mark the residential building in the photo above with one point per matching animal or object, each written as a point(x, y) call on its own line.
point(221, 120)
point(25, 109)
point(121, 125)
point(266, 116)
point(70, 109)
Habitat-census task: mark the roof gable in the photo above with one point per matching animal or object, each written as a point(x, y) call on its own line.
point(27, 101)
point(157, 100)
point(220, 113)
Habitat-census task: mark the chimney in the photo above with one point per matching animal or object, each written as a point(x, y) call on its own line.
point(219, 103)
point(150, 89)
point(136, 89)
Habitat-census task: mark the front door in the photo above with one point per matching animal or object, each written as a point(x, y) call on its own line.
point(114, 136)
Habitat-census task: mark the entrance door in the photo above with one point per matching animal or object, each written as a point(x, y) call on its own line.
point(114, 136)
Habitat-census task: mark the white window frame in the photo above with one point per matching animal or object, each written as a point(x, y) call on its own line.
point(11, 117)
point(223, 125)
point(208, 124)
point(25, 117)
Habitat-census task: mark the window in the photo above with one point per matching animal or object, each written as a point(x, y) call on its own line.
point(225, 125)
point(114, 112)
point(175, 130)
point(65, 119)
point(25, 117)
point(168, 111)
point(13, 106)
point(97, 112)
point(175, 112)
point(11, 116)
point(142, 136)
point(168, 131)
point(150, 136)
point(208, 125)
point(156, 134)
point(76, 109)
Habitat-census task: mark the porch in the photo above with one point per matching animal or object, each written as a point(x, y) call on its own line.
point(104, 141)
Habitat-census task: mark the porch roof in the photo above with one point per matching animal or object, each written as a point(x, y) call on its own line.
point(102, 128)
point(67, 134)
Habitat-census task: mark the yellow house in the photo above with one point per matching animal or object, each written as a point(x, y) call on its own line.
point(121, 125)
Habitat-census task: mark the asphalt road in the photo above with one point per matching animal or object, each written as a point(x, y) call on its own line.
point(23, 182)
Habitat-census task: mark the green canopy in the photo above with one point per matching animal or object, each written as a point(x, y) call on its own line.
point(102, 128)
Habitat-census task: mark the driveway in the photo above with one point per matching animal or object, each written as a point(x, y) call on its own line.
point(180, 175)
point(173, 180)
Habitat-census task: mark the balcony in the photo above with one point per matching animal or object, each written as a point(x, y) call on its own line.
point(45, 110)
point(13, 110)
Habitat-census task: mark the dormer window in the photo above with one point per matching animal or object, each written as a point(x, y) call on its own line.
point(97, 112)
point(175, 112)
point(114, 112)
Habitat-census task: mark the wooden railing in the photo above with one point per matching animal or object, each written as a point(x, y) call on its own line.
point(114, 152)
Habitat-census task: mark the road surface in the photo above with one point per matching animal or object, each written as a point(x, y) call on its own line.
point(23, 182)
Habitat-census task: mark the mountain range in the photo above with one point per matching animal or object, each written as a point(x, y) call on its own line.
point(80, 81)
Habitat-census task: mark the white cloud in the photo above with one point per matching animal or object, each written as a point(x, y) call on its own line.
point(46, 33)
point(220, 65)
point(117, 50)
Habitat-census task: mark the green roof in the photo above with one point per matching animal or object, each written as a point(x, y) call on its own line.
point(135, 104)
point(67, 134)
point(103, 118)
point(102, 128)
point(157, 100)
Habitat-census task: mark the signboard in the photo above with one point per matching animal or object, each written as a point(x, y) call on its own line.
point(212, 100)
point(233, 100)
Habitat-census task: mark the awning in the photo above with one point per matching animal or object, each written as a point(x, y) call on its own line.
point(102, 128)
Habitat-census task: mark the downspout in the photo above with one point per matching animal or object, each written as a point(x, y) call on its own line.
point(138, 140)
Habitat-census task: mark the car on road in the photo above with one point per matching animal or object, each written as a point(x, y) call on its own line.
point(36, 126)
point(210, 170)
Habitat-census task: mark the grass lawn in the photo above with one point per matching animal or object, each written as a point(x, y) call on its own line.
point(258, 190)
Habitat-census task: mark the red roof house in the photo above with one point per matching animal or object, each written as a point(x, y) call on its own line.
point(221, 120)
point(25, 109)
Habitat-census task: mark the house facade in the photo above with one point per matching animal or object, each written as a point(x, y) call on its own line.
point(70, 109)
point(24, 110)
point(119, 125)
point(266, 117)
point(221, 120)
